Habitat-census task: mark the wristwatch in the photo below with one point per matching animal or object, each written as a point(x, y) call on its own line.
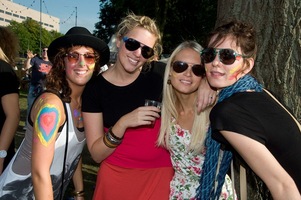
point(3, 153)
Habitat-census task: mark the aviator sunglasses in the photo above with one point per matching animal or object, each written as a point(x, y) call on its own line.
point(132, 45)
point(179, 67)
point(226, 56)
point(73, 57)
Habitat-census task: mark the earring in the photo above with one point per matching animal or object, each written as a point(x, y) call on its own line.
point(168, 81)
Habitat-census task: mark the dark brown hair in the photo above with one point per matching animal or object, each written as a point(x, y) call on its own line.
point(242, 33)
point(56, 79)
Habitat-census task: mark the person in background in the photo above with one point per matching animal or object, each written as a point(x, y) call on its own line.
point(40, 67)
point(183, 130)
point(9, 95)
point(248, 120)
point(49, 155)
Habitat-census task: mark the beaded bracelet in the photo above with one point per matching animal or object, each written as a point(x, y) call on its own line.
point(79, 194)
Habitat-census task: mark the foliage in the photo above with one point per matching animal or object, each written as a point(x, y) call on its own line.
point(178, 19)
point(28, 33)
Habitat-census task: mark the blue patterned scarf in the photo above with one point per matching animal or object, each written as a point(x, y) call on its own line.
point(208, 177)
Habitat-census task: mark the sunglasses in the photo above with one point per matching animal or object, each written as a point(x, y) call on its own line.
point(132, 45)
point(179, 67)
point(44, 50)
point(73, 57)
point(226, 56)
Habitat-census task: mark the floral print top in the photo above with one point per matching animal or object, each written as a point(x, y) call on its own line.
point(188, 167)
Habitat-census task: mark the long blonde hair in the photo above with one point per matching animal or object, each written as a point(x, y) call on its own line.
point(169, 111)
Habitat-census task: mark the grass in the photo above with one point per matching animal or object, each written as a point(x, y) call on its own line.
point(90, 168)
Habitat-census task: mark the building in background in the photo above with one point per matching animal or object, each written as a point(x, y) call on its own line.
point(10, 11)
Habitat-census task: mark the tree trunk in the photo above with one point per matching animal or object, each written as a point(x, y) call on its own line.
point(278, 63)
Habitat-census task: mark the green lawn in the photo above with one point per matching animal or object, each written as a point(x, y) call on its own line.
point(89, 166)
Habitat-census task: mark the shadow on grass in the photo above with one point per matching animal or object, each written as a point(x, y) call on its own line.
point(90, 168)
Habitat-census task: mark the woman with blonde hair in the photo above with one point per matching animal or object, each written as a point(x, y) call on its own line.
point(117, 122)
point(183, 129)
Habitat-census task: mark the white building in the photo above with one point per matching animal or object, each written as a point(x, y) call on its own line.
point(10, 11)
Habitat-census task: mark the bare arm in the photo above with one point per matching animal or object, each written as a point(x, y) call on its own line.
point(264, 164)
point(10, 104)
point(78, 180)
point(47, 116)
point(206, 95)
point(27, 64)
point(94, 129)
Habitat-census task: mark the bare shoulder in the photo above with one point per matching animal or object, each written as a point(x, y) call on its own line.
point(48, 102)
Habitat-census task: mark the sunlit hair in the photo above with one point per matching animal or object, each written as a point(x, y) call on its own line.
point(132, 21)
point(56, 79)
point(9, 45)
point(169, 111)
point(242, 33)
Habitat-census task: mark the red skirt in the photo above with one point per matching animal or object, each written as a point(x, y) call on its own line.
point(116, 183)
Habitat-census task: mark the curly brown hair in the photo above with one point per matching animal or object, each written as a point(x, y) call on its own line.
point(9, 45)
point(56, 79)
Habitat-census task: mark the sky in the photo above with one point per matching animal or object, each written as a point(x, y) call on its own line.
point(87, 11)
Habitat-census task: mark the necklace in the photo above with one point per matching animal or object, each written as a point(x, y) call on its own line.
point(78, 115)
point(77, 112)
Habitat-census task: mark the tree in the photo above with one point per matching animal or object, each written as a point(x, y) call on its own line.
point(28, 33)
point(278, 64)
point(177, 19)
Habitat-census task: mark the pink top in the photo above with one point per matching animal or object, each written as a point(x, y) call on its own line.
point(138, 149)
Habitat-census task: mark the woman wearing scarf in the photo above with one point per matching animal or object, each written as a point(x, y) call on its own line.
point(247, 120)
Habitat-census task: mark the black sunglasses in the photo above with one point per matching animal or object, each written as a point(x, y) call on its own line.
point(179, 67)
point(226, 56)
point(132, 45)
point(73, 57)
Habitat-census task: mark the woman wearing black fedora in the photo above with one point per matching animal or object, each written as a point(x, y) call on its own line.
point(51, 150)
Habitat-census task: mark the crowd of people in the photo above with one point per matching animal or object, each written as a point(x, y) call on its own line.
point(213, 113)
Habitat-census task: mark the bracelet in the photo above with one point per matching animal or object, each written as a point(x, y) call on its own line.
point(116, 137)
point(108, 143)
point(111, 140)
point(79, 194)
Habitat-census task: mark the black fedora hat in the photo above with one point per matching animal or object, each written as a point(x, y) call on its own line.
point(80, 36)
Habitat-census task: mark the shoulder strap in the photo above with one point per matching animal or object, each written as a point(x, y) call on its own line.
point(66, 149)
point(242, 170)
point(284, 108)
